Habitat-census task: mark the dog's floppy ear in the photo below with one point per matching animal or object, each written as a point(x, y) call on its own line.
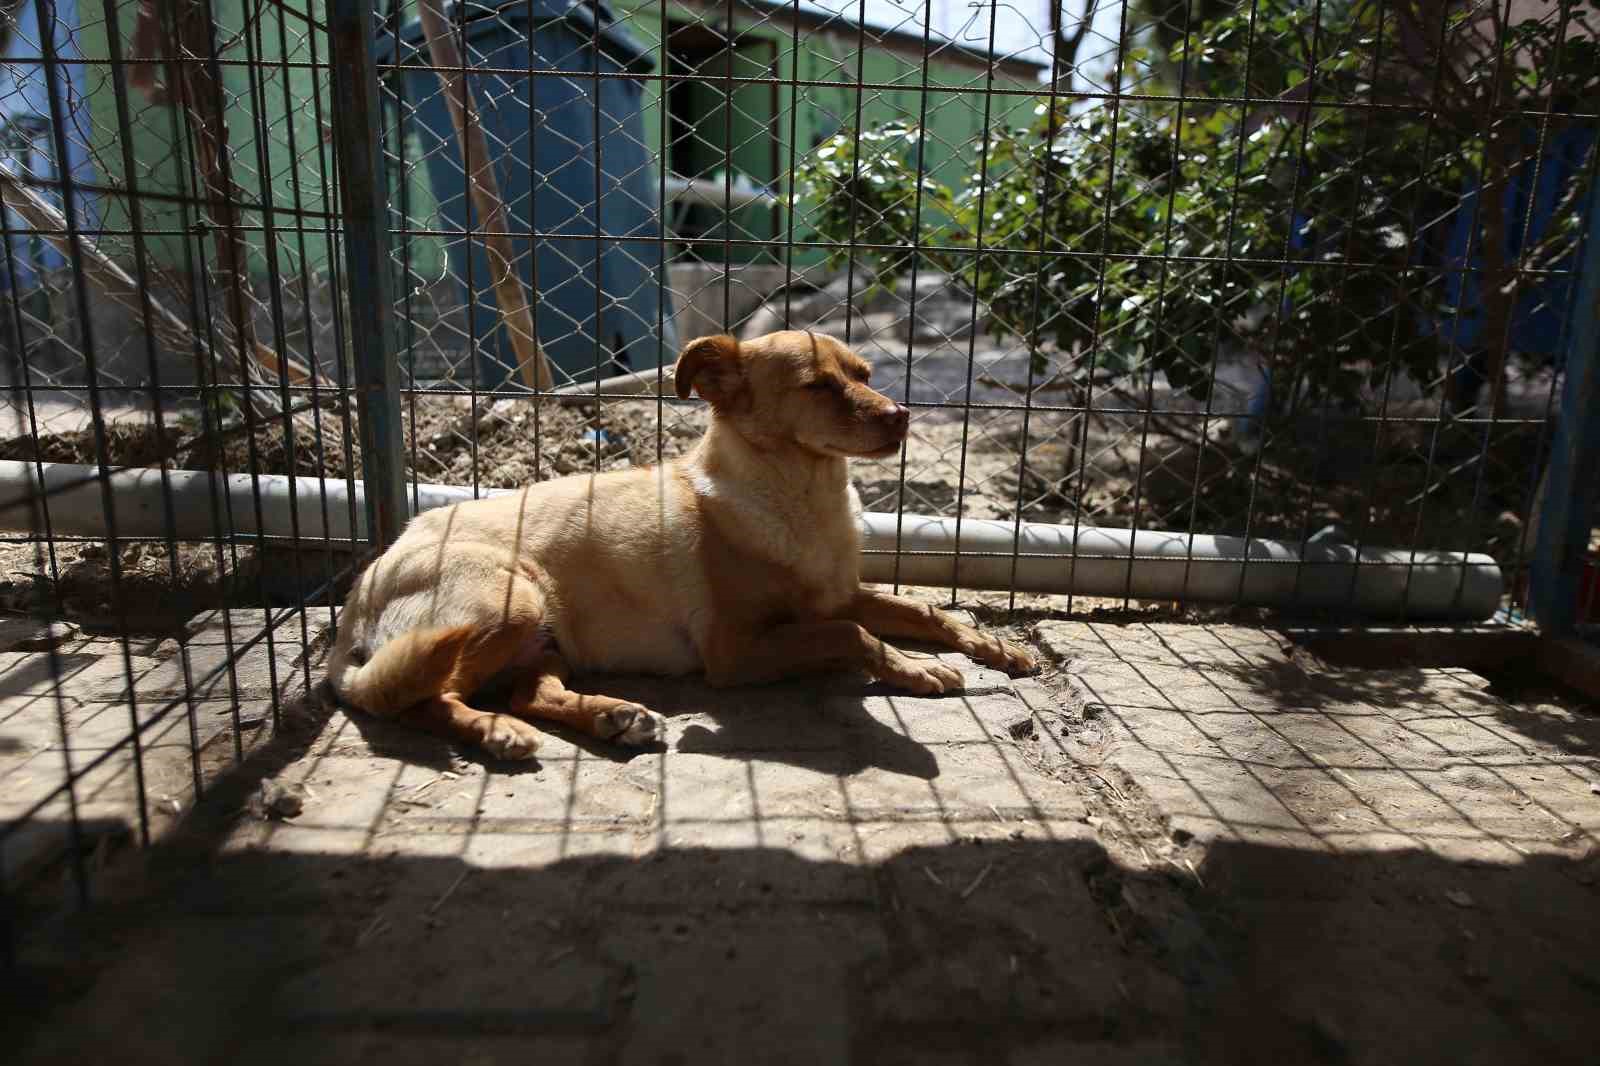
point(710, 364)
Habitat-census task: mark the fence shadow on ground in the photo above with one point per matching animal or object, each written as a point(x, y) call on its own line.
point(757, 955)
point(965, 950)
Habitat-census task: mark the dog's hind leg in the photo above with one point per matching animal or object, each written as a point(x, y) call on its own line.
point(501, 735)
point(485, 654)
point(543, 693)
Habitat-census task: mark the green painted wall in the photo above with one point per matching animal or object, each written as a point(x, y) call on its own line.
point(277, 154)
point(953, 119)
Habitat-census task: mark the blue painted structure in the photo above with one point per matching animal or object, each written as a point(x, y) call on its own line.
point(1572, 485)
point(27, 143)
point(543, 129)
point(1530, 200)
point(1540, 316)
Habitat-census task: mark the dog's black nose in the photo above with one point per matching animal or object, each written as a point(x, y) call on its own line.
point(902, 416)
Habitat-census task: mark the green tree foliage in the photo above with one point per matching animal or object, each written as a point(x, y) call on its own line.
point(1256, 212)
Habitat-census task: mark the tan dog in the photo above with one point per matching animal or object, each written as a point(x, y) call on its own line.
point(739, 559)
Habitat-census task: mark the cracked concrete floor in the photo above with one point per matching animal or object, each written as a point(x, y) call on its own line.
point(1182, 843)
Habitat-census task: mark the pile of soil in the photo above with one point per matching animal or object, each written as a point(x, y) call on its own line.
point(448, 440)
point(508, 442)
point(518, 442)
point(73, 579)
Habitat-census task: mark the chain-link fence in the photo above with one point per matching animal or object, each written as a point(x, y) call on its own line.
point(1195, 304)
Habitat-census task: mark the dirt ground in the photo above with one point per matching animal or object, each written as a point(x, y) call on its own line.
point(1183, 843)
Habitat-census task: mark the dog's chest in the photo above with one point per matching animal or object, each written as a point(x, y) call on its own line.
point(820, 554)
point(828, 566)
point(788, 554)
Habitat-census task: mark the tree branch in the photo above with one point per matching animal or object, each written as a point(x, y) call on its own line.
point(1068, 46)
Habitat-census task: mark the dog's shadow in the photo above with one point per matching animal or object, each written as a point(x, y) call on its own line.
point(395, 738)
point(819, 723)
point(816, 723)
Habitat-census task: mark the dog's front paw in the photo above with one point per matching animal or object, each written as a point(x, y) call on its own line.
point(505, 737)
point(923, 678)
point(1014, 659)
point(631, 724)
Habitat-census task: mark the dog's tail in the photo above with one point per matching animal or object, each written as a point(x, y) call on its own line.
point(412, 667)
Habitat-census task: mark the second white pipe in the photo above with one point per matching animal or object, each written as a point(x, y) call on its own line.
point(913, 549)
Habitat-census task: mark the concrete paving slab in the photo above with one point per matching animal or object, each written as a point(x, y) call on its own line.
point(1233, 736)
point(79, 672)
point(251, 658)
point(116, 732)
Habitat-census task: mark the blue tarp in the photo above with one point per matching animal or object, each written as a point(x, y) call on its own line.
point(593, 298)
point(1540, 317)
point(27, 141)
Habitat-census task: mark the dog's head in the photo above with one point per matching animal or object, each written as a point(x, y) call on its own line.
point(794, 387)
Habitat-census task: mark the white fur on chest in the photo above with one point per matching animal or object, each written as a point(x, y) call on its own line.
point(816, 535)
point(826, 553)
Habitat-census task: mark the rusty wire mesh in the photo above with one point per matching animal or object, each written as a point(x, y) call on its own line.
point(177, 292)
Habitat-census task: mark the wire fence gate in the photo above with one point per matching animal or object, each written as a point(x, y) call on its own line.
point(1278, 303)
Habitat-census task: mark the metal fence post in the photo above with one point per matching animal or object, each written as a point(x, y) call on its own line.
point(364, 207)
point(1571, 485)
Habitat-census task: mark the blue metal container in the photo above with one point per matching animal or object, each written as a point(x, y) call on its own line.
point(27, 134)
point(1530, 198)
point(571, 158)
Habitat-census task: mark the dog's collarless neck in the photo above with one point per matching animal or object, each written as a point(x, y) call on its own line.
point(725, 460)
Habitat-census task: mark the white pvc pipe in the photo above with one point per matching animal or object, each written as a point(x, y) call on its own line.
point(632, 383)
point(710, 192)
point(1156, 565)
point(1091, 561)
point(75, 507)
